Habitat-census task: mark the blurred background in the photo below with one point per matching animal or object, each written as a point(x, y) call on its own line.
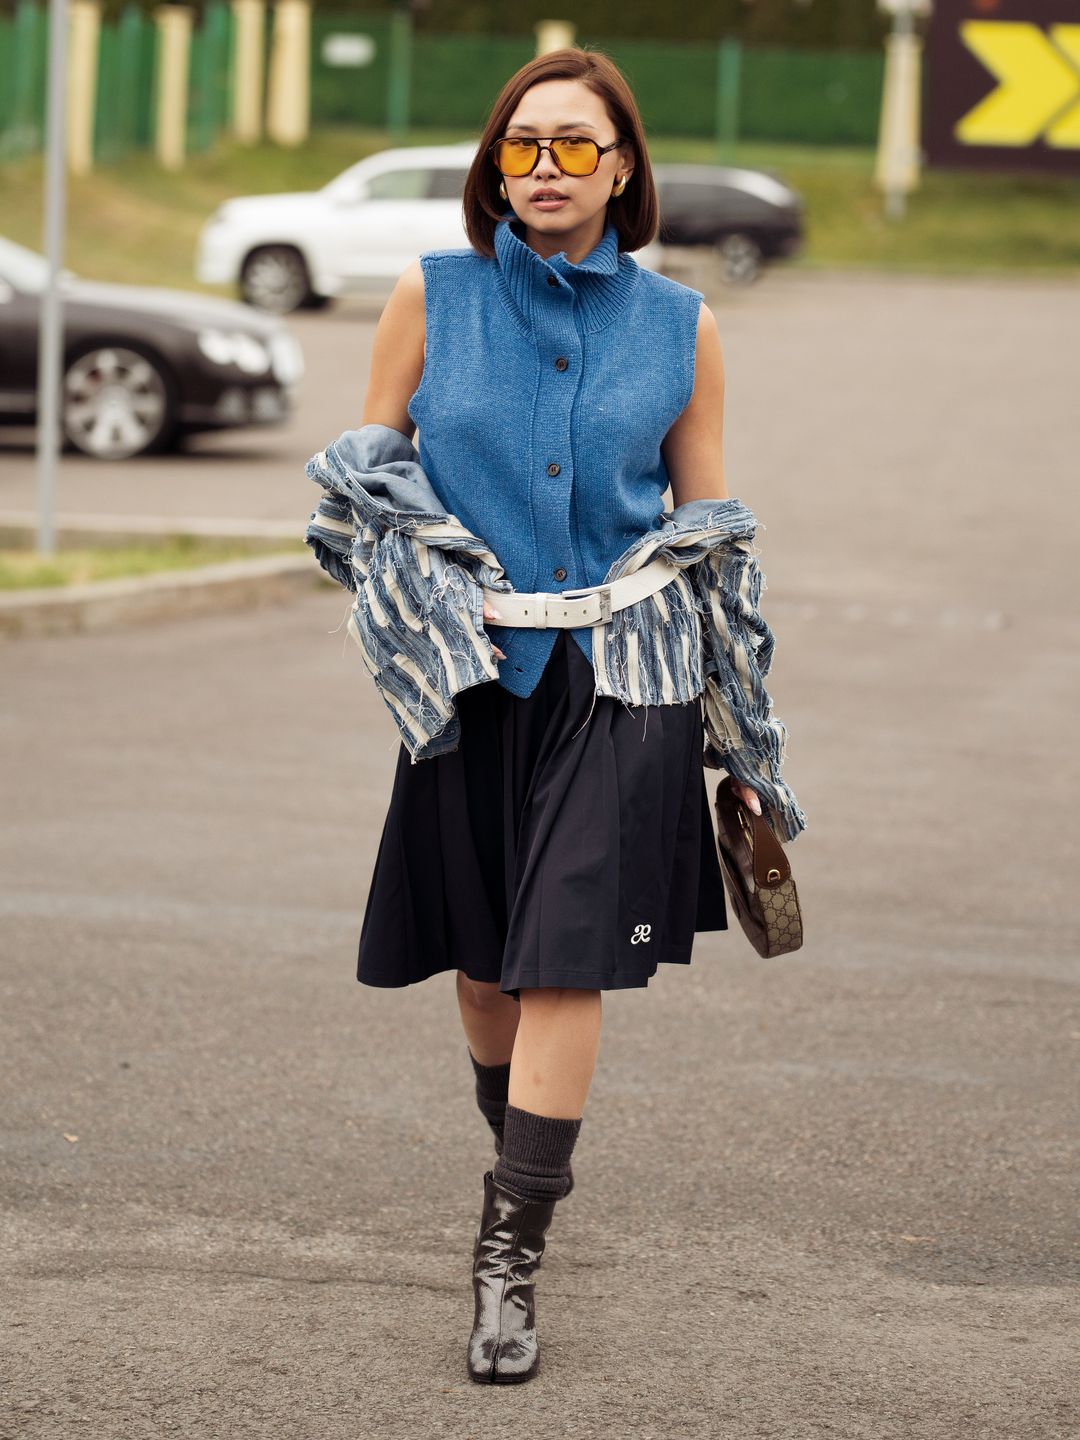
point(291, 155)
point(248, 97)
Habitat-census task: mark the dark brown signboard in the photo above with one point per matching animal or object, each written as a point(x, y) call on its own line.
point(1002, 85)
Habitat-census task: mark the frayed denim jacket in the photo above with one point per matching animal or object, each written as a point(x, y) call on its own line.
point(418, 577)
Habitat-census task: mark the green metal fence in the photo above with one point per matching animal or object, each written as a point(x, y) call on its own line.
point(349, 93)
point(367, 69)
point(211, 66)
point(125, 86)
point(830, 97)
point(728, 91)
point(22, 80)
point(126, 81)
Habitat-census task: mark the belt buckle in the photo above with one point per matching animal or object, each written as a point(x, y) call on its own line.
point(603, 594)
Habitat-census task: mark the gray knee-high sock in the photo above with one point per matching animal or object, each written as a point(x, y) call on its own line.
point(492, 1086)
point(535, 1159)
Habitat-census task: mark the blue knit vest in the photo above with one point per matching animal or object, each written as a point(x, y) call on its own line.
point(546, 392)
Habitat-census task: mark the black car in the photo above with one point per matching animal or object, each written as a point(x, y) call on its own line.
point(142, 366)
point(749, 217)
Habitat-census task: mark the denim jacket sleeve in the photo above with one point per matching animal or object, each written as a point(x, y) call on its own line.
point(742, 735)
point(704, 635)
point(417, 574)
point(330, 533)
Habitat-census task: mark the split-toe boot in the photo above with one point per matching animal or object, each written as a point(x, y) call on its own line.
point(510, 1241)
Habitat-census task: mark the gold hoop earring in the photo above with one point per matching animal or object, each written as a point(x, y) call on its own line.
point(621, 186)
point(502, 190)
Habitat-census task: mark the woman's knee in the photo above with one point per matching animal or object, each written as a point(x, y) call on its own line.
point(480, 994)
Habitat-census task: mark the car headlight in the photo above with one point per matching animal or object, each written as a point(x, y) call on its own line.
point(234, 347)
point(288, 358)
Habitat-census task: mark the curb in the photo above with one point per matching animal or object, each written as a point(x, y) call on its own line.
point(168, 595)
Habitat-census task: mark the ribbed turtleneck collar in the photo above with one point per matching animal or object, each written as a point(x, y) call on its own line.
point(601, 283)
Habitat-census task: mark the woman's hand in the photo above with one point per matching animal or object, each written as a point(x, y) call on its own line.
point(748, 796)
point(490, 613)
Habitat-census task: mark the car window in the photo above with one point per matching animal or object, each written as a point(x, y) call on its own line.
point(690, 196)
point(447, 184)
point(411, 184)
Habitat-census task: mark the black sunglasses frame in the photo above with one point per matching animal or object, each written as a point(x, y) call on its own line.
point(601, 150)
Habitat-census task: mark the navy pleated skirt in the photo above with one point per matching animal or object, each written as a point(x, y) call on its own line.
point(567, 841)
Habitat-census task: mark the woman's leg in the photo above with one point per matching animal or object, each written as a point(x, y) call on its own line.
point(555, 1050)
point(490, 1019)
point(550, 1071)
point(549, 1040)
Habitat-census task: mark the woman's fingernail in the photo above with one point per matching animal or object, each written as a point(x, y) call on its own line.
point(496, 613)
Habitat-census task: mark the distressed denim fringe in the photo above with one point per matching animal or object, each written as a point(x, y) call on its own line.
point(418, 574)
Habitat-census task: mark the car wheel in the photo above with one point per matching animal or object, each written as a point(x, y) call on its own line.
point(275, 278)
point(740, 258)
point(117, 403)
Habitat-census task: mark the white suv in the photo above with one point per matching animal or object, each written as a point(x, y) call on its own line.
point(353, 237)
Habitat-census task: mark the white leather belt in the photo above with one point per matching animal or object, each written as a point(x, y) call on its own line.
point(590, 605)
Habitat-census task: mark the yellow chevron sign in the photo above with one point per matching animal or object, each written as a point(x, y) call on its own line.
point(1038, 92)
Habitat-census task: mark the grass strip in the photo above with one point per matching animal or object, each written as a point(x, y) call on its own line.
point(26, 569)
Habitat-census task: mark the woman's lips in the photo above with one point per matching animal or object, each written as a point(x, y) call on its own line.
point(550, 203)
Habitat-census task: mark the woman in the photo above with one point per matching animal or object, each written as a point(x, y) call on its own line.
point(565, 847)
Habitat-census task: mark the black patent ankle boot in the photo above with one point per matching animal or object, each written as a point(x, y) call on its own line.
point(509, 1245)
point(496, 1130)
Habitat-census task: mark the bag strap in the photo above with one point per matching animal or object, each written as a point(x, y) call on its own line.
point(771, 865)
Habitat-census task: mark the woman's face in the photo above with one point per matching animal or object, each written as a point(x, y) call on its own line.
point(564, 107)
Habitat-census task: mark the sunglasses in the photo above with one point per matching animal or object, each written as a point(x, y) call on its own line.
point(573, 154)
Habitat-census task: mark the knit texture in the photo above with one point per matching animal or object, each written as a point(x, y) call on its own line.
point(492, 1087)
point(547, 390)
point(535, 1159)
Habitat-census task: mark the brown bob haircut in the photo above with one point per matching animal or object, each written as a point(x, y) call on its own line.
point(635, 214)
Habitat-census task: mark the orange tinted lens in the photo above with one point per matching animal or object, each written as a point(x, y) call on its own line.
point(515, 157)
point(576, 155)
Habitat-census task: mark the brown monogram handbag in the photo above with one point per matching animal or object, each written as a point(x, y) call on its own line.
point(757, 874)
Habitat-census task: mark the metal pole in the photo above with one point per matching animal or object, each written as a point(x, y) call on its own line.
point(896, 168)
point(728, 63)
point(399, 78)
point(50, 333)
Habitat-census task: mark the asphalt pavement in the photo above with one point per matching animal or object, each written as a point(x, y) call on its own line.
point(828, 1195)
